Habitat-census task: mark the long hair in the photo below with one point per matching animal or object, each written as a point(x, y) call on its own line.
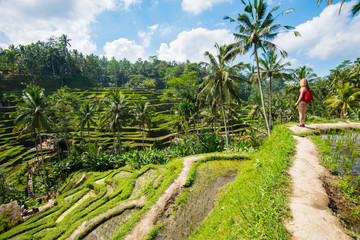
point(304, 83)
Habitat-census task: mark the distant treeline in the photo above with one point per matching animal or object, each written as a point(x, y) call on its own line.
point(54, 65)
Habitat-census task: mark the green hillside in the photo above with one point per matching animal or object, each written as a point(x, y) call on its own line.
point(109, 205)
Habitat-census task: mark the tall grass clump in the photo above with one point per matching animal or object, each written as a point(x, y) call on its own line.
point(256, 203)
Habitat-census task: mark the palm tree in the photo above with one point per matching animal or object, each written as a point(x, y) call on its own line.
point(272, 68)
point(87, 113)
point(64, 42)
point(347, 98)
point(355, 9)
point(223, 82)
point(256, 30)
point(31, 117)
point(303, 72)
point(142, 112)
point(116, 113)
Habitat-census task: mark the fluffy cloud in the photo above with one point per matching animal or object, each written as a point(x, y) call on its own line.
point(123, 48)
point(191, 45)
point(26, 21)
point(328, 36)
point(146, 36)
point(198, 6)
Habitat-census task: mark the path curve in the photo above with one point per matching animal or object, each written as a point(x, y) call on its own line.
point(312, 219)
point(146, 224)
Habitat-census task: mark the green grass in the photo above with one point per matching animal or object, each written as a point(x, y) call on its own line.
point(256, 203)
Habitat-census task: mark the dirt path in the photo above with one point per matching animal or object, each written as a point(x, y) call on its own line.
point(324, 126)
point(146, 224)
point(312, 219)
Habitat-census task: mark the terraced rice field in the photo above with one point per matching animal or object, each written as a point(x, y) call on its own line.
point(18, 153)
point(113, 204)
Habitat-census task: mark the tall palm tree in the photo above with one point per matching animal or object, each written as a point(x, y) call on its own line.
point(355, 9)
point(256, 30)
point(31, 117)
point(347, 98)
point(271, 68)
point(64, 42)
point(86, 115)
point(303, 72)
point(143, 112)
point(223, 82)
point(116, 113)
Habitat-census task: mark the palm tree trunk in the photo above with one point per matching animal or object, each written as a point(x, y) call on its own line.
point(36, 148)
point(223, 113)
point(88, 131)
point(226, 133)
point(261, 91)
point(119, 141)
point(142, 136)
point(42, 160)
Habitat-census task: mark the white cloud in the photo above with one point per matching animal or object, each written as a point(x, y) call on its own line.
point(191, 45)
point(146, 36)
point(123, 48)
point(26, 21)
point(198, 6)
point(328, 36)
point(294, 62)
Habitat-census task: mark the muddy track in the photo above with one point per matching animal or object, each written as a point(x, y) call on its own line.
point(312, 218)
point(146, 224)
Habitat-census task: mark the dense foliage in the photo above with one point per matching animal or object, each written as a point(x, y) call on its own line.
point(52, 64)
point(199, 107)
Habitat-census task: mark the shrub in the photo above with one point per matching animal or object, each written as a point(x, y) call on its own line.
point(211, 143)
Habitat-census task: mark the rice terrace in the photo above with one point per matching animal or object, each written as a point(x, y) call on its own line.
point(110, 145)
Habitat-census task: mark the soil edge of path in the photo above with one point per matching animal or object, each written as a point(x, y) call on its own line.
point(312, 219)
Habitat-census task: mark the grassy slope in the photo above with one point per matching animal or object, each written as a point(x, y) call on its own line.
point(256, 202)
point(253, 207)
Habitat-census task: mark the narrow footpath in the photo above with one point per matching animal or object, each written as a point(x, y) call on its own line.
point(312, 218)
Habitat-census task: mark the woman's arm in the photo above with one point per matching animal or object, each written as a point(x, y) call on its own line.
point(302, 92)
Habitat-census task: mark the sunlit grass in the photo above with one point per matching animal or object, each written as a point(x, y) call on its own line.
point(255, 205)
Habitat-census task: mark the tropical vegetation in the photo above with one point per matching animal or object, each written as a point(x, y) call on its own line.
point(146, 115)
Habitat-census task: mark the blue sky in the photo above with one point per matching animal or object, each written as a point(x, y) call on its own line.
point(178, 30)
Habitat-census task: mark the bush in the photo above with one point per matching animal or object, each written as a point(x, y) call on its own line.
point(211, 143)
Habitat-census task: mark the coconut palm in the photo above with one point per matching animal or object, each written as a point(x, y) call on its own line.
point(143, 112)
point(223, 82)
point(355, 9)
point(86, 116)
point(256, 30)
point(271, 68)
point(32, 117)
point(303, 72)
point(346, 98)
point(64, 42)
point(116, 113)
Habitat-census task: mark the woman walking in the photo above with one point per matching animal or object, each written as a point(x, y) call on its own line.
point(303, 100)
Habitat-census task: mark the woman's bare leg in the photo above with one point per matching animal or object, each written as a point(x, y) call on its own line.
point(302, 116)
